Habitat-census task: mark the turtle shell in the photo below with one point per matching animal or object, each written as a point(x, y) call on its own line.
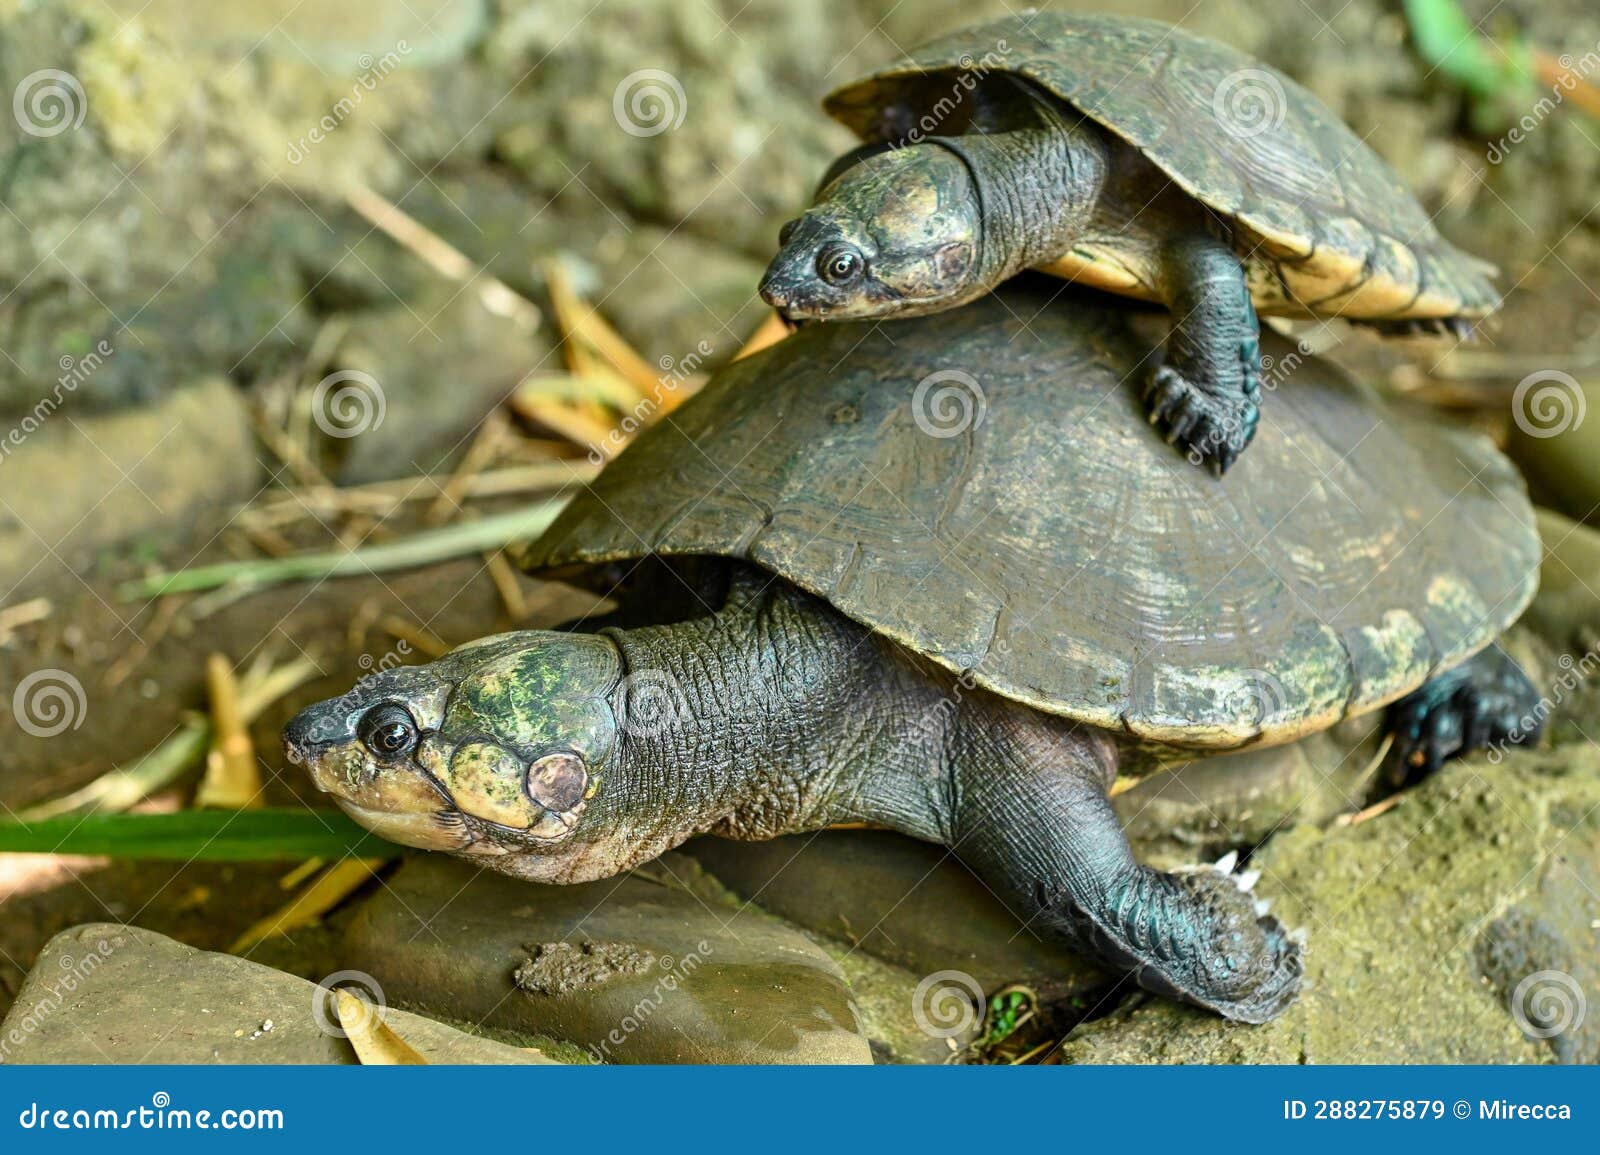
point(1333, 223)
point(982, 487)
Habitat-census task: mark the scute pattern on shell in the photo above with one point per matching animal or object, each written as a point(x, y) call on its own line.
point(1057, 549)
point(1339, 223)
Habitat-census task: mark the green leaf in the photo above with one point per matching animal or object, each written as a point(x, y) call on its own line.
point(199, 835)
point(419, 549)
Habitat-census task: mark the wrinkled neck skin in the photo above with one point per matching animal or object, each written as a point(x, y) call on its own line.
point(788, 718)
point(1037, 188)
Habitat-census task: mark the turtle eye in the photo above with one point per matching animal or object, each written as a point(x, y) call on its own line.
point(388, 730)
point(840, 264)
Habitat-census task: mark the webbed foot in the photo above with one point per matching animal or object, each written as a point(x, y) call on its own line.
point(1206, 397)
point(1197, 935)
point(1486, 701)
point(1212, 428)
point(1038, 825)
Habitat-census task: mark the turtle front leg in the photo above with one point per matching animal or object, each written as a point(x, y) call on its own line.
point(1486, 701)
point(1205, 396)
point(1040, 829)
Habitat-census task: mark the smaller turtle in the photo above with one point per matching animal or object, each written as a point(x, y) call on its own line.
point(840, 610)
point(1135, 158)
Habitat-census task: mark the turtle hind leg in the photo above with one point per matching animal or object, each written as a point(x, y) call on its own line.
point(1205, 396)
point(1033, 818)
point(1486, 701)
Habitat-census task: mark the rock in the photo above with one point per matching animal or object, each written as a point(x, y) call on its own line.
point(1566, 613)
point(417, 379)
point(666, 291)
point(1198, 810)
point(337, 36)
point(1552, 443)
point(899, 1011)
point(1540, 959)
point(104, 993)
point(1424, 922)
point(716, 126)
point(906, 902)
point(634, 970)
point(76, 483)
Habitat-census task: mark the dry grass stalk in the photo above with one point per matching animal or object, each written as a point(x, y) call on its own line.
point(232, 780)
point(768, 333)
point(504, 576)
point(589, 336)
point(330, 888)
point(374, 1041)
point(414, 635)
point(497, 296)
point(485, 448)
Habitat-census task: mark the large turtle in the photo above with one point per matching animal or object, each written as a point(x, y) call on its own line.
point(839, 610)
point(1133, 157)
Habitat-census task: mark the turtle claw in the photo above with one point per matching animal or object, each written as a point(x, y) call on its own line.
point(1226, 863)
point(1246, 880)
point(1485, 702)
point(1211, 428)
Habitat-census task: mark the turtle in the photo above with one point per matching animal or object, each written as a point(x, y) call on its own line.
point(855, 584)
point(1136, 158)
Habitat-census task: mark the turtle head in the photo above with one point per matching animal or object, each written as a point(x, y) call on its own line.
point(897, 233)
point(495, 749)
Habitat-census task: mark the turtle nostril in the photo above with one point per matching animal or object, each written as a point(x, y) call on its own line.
point(786, 232)
point(302, 734)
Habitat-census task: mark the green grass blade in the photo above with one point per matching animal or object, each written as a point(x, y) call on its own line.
point(420, 549)
point(199, 835)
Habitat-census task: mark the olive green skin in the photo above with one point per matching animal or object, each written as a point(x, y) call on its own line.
point(853, 611)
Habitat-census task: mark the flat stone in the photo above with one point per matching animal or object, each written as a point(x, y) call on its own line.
point(634, 970)
point(82, 482)
point(906, 902)
point(105, 993)
point(424, 376)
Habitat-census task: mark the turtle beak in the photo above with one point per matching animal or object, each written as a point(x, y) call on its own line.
point(773, 291)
